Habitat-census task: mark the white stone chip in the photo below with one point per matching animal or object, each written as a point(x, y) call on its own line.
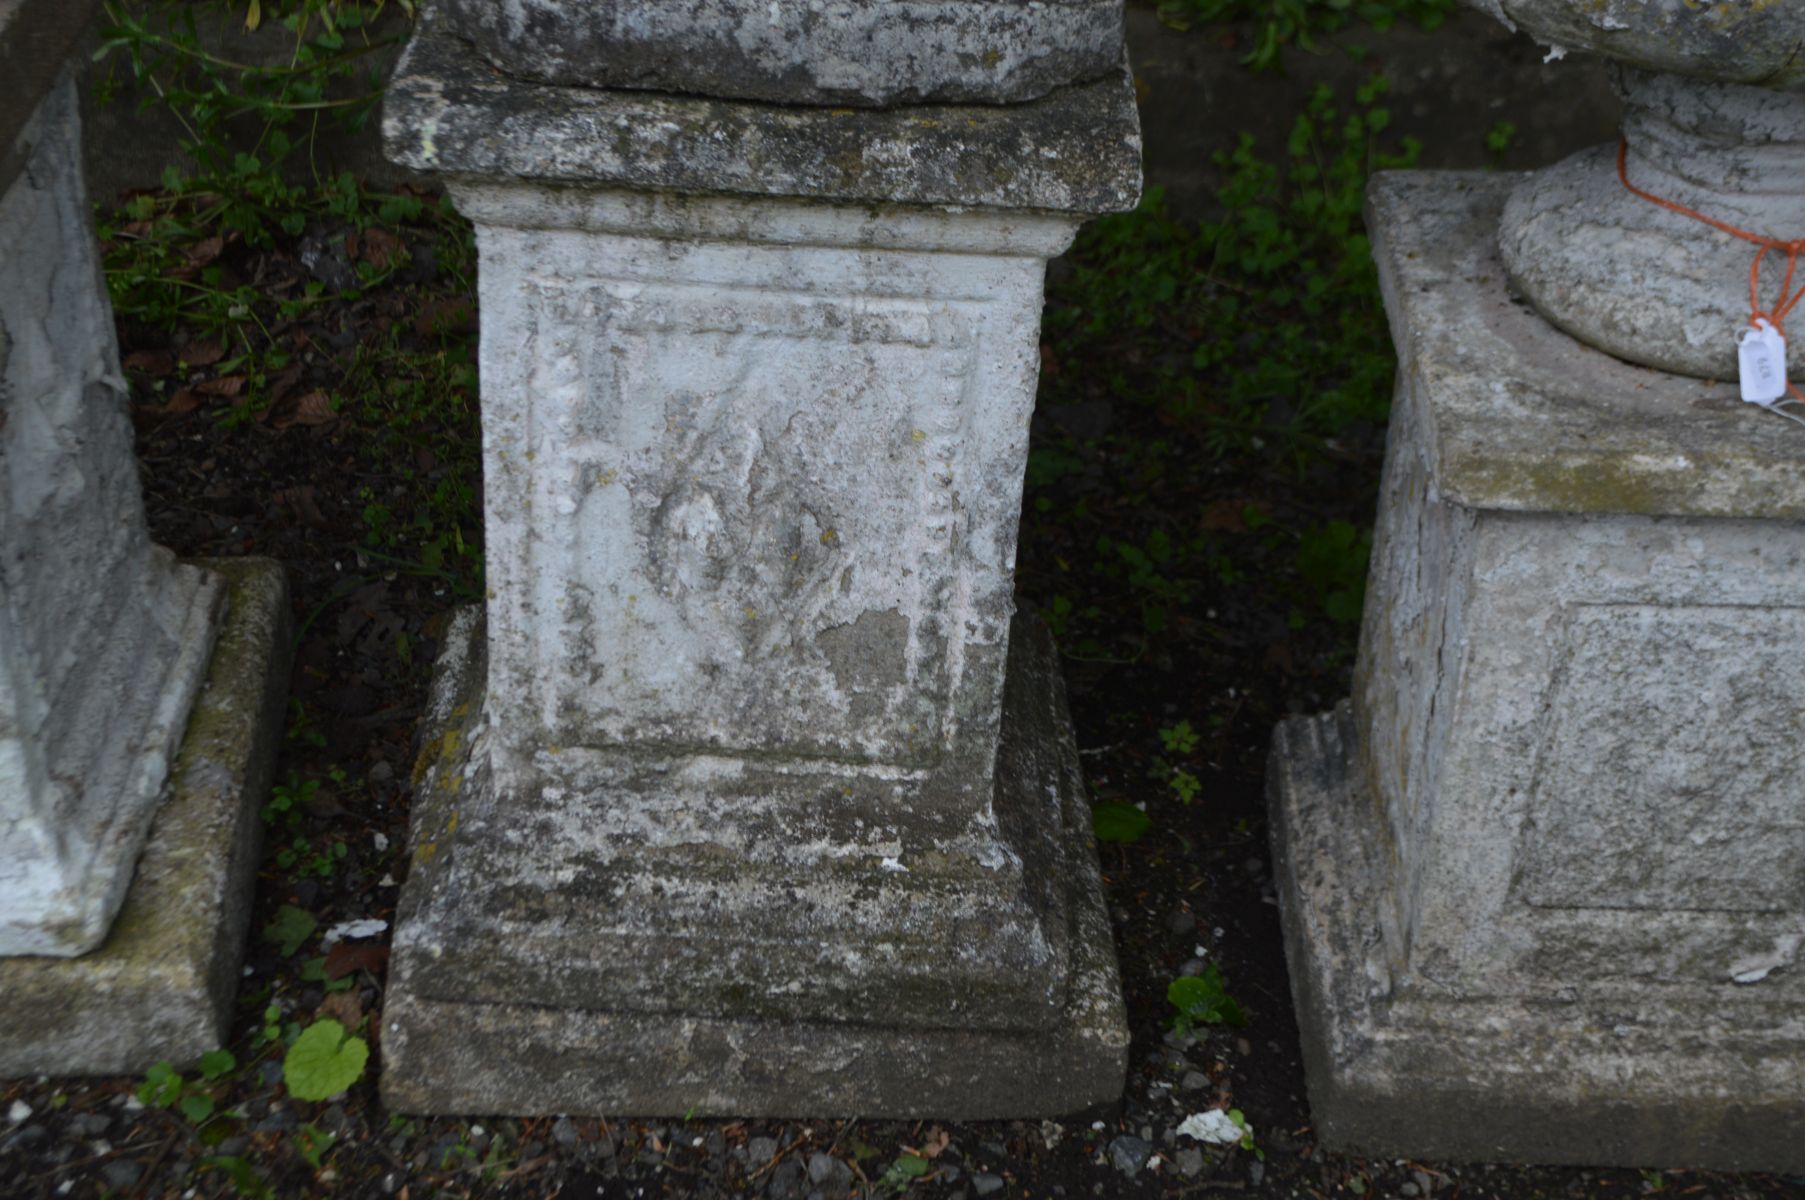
point(364, 928)
point(1214, 1127)
point(19, 1111)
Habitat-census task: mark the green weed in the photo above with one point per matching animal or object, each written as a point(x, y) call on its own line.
point(1284, 23)
point(1203, 1000)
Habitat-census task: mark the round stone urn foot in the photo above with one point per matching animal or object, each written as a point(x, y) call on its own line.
point(1640, 281)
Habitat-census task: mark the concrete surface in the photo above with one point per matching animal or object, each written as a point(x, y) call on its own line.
point(448, 111)
point(855, 52)
point(162, 985)
point(103, 637)
point(759, 1028)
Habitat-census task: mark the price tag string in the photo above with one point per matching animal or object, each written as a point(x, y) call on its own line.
point(1765, 324)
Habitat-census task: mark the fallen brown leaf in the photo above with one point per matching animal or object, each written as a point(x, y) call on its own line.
point(225, 385)
point(177, 405)
point(150, 362)
point(206, 250)
point(202, 354)
point(342, 958)
point(303, 501)
point(315, 408)
point(343, 1007)
point(382, 248)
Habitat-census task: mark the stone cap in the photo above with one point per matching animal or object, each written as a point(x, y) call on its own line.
point(1742, 41)
point(854, 52)
point(1520, 416)
point(1076, 150)
point(36, 37)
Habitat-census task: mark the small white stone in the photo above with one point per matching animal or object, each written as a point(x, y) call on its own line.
point(1212, 1126)
point(18, 1112)
point(366, 927)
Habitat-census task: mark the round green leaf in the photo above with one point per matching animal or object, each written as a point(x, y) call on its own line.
point(1118, 822)
point(324, 1061)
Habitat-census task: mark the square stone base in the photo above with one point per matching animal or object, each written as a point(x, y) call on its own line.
point(1412, 1070)
point(445, 1052)
point(161, 986)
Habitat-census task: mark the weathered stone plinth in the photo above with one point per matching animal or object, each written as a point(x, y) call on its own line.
point(1541, 881)
point(161, 986)
point(749, 801)
point(675, 949)
point(103, 636)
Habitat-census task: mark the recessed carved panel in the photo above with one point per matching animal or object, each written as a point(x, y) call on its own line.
point(747, 522)
point(1670, 775)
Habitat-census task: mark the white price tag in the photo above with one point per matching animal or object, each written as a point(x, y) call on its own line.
point(1761, 357)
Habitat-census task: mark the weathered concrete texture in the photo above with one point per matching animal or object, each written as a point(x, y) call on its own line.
point(1076, 150)
point(161, 986)
point(851, 52)
point(1540, 881)
point(1643, 282)
point(1742, 41)
point(1409, 1063)
point(103, 637)
point(1528, 419)
point(801, 987)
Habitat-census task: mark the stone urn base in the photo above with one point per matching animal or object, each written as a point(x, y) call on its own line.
point(1641, 281)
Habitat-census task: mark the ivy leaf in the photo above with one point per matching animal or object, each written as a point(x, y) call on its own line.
point(217, 1063)
point(196, 1106)
point(1119, 822)
point(1204, 1000)
point(291, 927)
point(161, 1087)
point(324, 1061)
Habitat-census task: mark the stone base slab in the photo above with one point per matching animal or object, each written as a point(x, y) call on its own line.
point(161, 986)
point(1404, 1072)
point(444, 1052)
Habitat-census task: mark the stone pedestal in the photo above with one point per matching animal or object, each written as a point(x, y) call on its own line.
point(1541, 881)
point(744, 798)
point(103, 637)
point(105, 645)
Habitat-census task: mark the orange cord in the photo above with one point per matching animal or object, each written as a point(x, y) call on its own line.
point(1788, 300)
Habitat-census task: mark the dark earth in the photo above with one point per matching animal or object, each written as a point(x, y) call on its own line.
point(355, 468)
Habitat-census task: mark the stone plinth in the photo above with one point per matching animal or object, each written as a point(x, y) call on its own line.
point(139, 697)
point(745, 799)
point(161, 986)
point(103, 636)
point(1541, 880)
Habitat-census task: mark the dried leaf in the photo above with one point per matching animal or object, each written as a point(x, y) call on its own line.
point(303, 501)
point(180, 404)
point(150, 362)
point(345, 957)
point(382, 248)
point(202, 354)
point(343, 1007)
point(206, 250)
point(315, 408)
point(225, 385)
